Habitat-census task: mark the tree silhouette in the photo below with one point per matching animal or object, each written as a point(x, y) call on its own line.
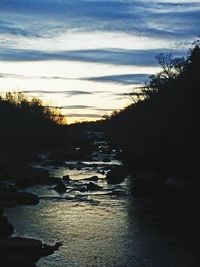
point(27, 124)
point(160, 132)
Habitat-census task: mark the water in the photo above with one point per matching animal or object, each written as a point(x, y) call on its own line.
point(98, 229)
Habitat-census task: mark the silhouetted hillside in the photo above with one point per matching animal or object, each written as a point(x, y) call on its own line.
point(161, 132)
point(27, 125)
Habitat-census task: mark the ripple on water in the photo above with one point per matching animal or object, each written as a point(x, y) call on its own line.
point(97, 229)
point(107, 234)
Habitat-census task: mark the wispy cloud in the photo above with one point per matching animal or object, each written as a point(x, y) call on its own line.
point(106, 56)
point(19, 76)
point(77, 107)
point(122, 79)
point(83, 107)
point(118, 78)
point(65, 93)
point(127, 16)
point(84, 115)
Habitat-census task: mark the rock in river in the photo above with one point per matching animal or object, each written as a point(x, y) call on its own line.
point(8, 199)
point(93, 187)
point(60, 187)
point(23, 252)
point(92, 178)
point(66, 178)
point(6, 229)
point(116, 175)
point(26, 198)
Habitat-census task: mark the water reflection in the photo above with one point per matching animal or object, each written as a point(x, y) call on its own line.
point(92, 235)
point(107, 233)
point(102, 228)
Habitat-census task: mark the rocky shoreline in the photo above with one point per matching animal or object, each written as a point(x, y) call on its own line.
point(19, 251)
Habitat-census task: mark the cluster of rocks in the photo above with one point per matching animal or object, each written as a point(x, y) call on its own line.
point(18, 251)
point(114, 176)
point(61, 184)
point(15, 176)
point(25, 251)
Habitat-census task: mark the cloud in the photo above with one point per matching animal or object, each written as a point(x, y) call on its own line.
point(134, 17)
point(85, 115)
point(77, 107)
point(11, 28)
point(25, 25)
point(121, 79)
point(66, 93)
point(104, 109)
point(83, 107)
point(106, 56)
point(50, 18)
point(19, 76)
point(10, 75)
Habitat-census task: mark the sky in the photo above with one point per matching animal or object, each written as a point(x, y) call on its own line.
point(85, 56)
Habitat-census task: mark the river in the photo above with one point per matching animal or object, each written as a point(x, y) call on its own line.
point(97, 229)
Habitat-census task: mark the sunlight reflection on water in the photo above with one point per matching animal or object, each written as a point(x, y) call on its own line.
point(97, 229)
point(104, 232)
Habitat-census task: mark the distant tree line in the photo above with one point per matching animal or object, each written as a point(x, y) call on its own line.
point(27, 124)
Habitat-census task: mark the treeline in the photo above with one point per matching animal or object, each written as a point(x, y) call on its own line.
point(161, 131)
point(27, 125)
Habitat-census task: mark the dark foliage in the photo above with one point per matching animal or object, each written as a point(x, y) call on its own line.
point(27, 125)
point(161, 131)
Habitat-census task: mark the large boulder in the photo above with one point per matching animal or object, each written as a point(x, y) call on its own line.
point(60, 187)
point(66, 178)
point(92, 178)
point(23, 252)
point(6, 229)
point(93, 187)
point(116, 175)
point(25, 198)
point(9, 199)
